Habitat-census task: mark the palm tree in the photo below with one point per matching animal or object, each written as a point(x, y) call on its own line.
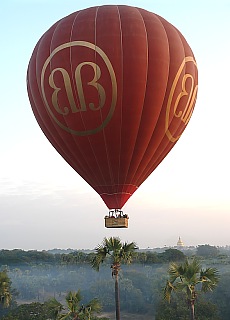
point(77, 311)
point(72, 299)
point(117, 252)
point(186, 277)
point(5, 289)
point(94, 306)
point(54, 307)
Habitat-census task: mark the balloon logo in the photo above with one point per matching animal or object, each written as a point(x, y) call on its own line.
point(113, 88)
point(190, 97)
point(68, 90)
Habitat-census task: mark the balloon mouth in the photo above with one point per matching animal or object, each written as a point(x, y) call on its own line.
point(115, 200)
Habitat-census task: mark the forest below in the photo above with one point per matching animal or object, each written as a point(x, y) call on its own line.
point(37, 276)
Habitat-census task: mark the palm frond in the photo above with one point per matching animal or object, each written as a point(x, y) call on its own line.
point(72, 300)
point(54, 305)
point(94, 305)
point(101, 253)
point(210, 273)
point(169, 288)
point(208, 286)
point(127, 247)
point(193, 269)
point(127, 250)
point(209, 279)
point(175, 271)
point(112, 243)
point(65, 317)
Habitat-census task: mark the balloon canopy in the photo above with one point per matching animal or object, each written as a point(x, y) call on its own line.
point(113, 88)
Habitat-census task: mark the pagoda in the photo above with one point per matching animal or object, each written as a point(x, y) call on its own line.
point(180, 243)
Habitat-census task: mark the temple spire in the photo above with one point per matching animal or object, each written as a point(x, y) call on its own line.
point(180, 243)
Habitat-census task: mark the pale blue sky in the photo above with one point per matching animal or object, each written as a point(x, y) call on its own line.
point(45, 204)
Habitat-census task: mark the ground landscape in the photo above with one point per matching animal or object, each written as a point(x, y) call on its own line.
point(36, 277)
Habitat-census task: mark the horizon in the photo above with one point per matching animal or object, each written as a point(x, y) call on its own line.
point(147, 248)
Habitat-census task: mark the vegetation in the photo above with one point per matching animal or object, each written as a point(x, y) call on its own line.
point(186, 277)
point(77, 311)
point(207, 251)
point(5, 291)
point(118, 253)
point(19, 257)
point(40, 277)
point(178, 310)
point(7, 294)
point(31, 311)
point(52, 309)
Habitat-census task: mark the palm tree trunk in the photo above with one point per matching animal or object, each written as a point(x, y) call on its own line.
point(192, 309)
point(117, 298)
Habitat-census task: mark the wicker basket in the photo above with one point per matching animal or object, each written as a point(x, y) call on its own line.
point(111, 222)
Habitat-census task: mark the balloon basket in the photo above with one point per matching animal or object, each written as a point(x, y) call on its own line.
point(113, 222)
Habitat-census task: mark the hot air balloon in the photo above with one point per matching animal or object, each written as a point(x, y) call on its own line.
point(113, 88)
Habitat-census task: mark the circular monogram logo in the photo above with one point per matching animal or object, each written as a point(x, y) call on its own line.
point(79, 95)
point(181, 100)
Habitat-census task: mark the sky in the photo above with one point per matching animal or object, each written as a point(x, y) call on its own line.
point(45, 204)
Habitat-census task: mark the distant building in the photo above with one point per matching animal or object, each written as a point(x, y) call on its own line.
point(180, 243)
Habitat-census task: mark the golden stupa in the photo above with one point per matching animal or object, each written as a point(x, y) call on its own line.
point(180, 243)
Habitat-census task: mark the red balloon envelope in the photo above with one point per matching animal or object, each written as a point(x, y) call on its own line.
point(113, 88)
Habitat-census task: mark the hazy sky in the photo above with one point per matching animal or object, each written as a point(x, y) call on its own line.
point(44, 204)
